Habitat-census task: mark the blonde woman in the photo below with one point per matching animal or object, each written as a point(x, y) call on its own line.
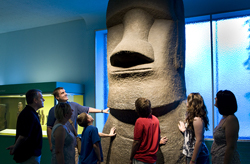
point(196, 123)
point(63, 150)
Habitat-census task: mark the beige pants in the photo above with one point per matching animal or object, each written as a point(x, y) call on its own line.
point(76, 155)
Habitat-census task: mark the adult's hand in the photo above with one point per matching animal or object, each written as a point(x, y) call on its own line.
point(11, 148)
point(106, 110)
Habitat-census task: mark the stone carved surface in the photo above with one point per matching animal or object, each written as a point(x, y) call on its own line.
point(146, 46)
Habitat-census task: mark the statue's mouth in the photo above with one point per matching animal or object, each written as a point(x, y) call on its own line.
point(125, 62)
point(127, 59)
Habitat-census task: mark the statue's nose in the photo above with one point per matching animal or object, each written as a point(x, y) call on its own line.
point(134, 48)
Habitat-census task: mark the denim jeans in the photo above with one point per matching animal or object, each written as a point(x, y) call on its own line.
point(140, 162)
point(199, 160)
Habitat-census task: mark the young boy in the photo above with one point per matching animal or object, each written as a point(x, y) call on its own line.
point(146, 134)
point(91, 150)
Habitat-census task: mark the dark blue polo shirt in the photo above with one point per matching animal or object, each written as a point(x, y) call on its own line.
point(28, 125)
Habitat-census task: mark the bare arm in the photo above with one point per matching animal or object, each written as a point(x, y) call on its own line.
point(59, 135)
point(111, 133)
point(97, 151)
point(198, 131)
point(93, 110)
point(135, 147)
point(231, 130)
point(49, 130)
point(20, 140)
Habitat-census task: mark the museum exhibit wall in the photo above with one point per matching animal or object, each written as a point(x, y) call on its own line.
point(60, 52)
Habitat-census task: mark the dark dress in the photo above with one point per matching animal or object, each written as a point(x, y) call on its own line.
point(218, 148)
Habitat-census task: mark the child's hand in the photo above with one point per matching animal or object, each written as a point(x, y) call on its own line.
point(112, 132)
point(163, 140)
point(181, 126)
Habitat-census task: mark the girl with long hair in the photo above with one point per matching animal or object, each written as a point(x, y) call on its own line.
point(193, 129)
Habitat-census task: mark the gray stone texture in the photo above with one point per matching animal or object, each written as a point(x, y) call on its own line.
point(145, 58)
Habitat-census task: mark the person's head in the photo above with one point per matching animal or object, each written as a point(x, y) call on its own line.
point(35, 98)
point(226, 102)
point(195, 101)
point(60, 94)
point(196, 108)
point(63, 110)
point(145, 52)
point(84, 119)
point(143, 107)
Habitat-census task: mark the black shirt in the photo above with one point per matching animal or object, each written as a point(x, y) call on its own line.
point(28, 125)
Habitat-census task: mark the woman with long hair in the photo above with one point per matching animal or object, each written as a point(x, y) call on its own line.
point(62, 139)
point(226, 133)
point(196, 123)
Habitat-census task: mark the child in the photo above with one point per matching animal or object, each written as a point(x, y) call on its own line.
point(91, 150)
point(146, 134)
point(197, 122)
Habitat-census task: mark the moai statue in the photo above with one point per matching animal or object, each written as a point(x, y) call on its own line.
point(145, 58)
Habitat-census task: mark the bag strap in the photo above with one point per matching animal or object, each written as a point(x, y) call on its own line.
point(71, 122)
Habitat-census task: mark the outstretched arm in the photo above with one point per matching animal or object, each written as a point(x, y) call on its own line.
point(93, 110)
point(111, 133)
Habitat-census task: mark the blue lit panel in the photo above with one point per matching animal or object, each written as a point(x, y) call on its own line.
point(198, 65)
point(101, 80)
point(232, 73)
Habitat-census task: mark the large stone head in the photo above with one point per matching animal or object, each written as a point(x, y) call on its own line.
point(145, 52)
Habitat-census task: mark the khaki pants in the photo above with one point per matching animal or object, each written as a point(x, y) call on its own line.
point(76, 155)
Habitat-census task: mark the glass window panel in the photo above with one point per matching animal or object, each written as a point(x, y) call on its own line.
point(198, 65)
point(231, 73)
point(101, 79)
point(12, 105)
